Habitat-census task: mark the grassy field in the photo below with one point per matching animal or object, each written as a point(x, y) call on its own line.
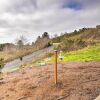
point(90, 53)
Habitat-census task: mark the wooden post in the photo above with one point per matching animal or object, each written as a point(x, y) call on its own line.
point(55, 70)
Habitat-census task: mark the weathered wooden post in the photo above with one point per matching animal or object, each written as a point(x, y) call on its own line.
point(55, 70)
point(55, 65)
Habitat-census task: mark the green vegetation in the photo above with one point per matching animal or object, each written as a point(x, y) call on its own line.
point(68, 42)
point(91, 53)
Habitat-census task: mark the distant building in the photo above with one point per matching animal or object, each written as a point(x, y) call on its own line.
point(98, 26)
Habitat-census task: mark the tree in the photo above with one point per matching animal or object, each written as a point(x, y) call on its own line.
point(1, 47)
point(20, 44)
point(33, 43)
point(45, 34)
point(1, 64)
point(21, 41)
point(38, 37)
point(75, 31)
point(23, 38)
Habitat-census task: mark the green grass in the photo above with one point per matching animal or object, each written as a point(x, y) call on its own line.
point(91, 53)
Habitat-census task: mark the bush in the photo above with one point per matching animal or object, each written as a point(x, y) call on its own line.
point(1, 63)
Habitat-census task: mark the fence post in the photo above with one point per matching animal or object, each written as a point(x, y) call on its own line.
point(55, 68)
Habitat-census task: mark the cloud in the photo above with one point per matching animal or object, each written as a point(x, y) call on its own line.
point(33, 17)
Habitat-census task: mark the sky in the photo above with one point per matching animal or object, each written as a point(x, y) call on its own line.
point(31, 18)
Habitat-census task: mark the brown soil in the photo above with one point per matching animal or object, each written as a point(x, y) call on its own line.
point(76, 81)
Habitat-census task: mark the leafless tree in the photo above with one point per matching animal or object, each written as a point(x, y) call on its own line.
point(21, 41)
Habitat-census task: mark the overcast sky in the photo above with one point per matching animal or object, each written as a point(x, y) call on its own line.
point(33, 17)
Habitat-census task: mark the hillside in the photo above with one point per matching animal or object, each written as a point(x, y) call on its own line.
point(10, 51)
point(87, 54)
point(68, 42)
point(78, 73)
point(90, 53)
point(78, 39)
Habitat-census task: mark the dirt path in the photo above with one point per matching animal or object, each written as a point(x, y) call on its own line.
point(77, 81)
point(15, 64)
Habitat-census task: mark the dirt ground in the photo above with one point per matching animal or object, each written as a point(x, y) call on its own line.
point(76, 81)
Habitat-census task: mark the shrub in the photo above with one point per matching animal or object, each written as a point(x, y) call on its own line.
point(1, 63)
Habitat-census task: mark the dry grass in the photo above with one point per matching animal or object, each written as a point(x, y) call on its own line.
point(11, 55)
point(76, 81)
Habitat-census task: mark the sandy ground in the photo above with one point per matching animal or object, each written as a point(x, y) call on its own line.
point(98, 98)
point(76, 81)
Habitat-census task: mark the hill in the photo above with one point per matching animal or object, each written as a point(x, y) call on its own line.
point(90, 53)
point(78, 39)
point(87, 54)
point(10, 51)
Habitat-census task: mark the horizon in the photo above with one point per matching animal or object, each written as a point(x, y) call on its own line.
point(31, 18)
